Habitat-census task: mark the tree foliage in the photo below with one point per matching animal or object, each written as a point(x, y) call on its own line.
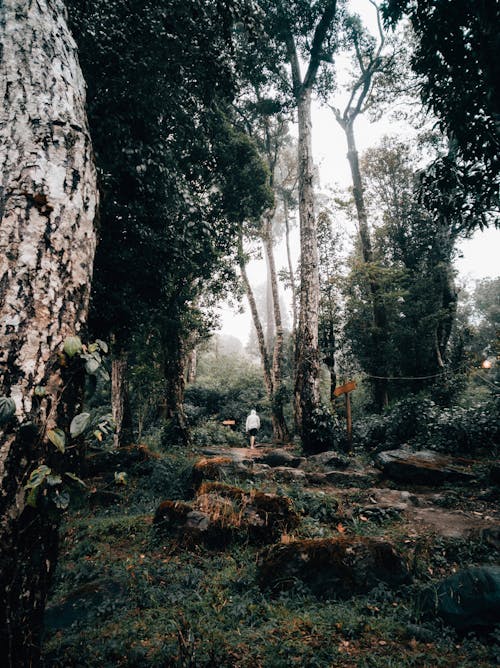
point(457, 59)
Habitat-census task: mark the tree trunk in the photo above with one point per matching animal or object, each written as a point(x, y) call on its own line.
point(120, 401)
point(307, 396)
point(266, 365)
point(173, 366)
point(280, 430)
point(47, 241)
point(270, 322)
point(380, 334)
point(191, 364)
point(290, 267)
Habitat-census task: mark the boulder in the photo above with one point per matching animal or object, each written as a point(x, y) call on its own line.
point(287, 474)
point(332, 567)
point(328, 460)
point(468, 600)
point(424, 467)
point(221, 512)
point(220, 468)
point(343, 478)
point(282, 458)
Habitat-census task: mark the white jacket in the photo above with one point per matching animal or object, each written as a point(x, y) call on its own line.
point(253, 421)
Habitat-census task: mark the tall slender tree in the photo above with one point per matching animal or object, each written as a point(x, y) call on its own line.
point(48, 203)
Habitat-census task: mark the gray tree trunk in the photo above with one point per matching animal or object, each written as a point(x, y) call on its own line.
point(48, 201)
point(307, 395)
point(120, 401)
point(380, 334)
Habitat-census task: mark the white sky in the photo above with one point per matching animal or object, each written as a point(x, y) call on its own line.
point(480, 255)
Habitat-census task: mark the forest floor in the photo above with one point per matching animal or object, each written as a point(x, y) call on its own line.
point(129, 594)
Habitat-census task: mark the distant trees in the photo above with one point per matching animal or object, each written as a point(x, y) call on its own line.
point(414, 255)
point(48, 200)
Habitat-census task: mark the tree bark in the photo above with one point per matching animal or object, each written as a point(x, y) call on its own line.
point(120, 401)
point(307, 395)
point(380, 335)
point(280, 430)
point(293, 287)
point(173, 367)
point(48, 200)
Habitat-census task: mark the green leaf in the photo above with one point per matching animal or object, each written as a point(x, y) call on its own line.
point(58, 438)
point(54, 480)
point(32, 496)
point(72, 346)
point(38, 476)
point(93, 347)
point(74, 477)
point(78, 424)
point(91, 365)
point(61, 500)
point(7, 409)
point(40, 391)
point(102, 345)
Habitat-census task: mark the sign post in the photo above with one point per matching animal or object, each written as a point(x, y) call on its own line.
point(346, 390)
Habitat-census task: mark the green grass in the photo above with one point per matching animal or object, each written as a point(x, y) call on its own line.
point(160, 605)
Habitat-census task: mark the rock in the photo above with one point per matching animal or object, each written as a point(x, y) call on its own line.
point(343, 478)
point(328, 460)
point(332, 567)
point(287, 474)
point(282, 458)
point(424, 467)
point(420, 633)
point(220, 468)
point(491, 536)
point(220, 513)
point(468, 600)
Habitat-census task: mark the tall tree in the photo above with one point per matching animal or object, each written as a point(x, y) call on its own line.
point(159, 77)
point(304, 31)
point(47, 206)
point(376, 69)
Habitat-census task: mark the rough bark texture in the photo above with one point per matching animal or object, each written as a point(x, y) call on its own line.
point(173, 368)
point(120, 402)
point(307, 396)
point(290, 267)
point(280, 430)
point(47, 243)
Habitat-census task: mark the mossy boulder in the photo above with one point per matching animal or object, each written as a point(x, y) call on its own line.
point(468, 600)
point(220, 468)
point(281, 457)
point(424, 467)
point(327, 460)
point(332, 567)
point(220, 513)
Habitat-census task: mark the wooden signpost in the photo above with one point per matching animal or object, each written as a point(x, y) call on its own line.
point(339, 391)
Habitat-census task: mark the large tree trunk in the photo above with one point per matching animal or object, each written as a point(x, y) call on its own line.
point(307, 395)
point(173, 367)
point(47, 243)
point(280, 430)
point(380, 336)
point(120, 401)
point(291, 272)
point(266, 365)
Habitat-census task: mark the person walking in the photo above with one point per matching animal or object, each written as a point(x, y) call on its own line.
point(252, 426)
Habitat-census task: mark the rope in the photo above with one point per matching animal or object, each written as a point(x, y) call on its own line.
point(435, 375)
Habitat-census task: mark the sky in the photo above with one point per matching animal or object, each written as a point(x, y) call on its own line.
point(478, 257)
